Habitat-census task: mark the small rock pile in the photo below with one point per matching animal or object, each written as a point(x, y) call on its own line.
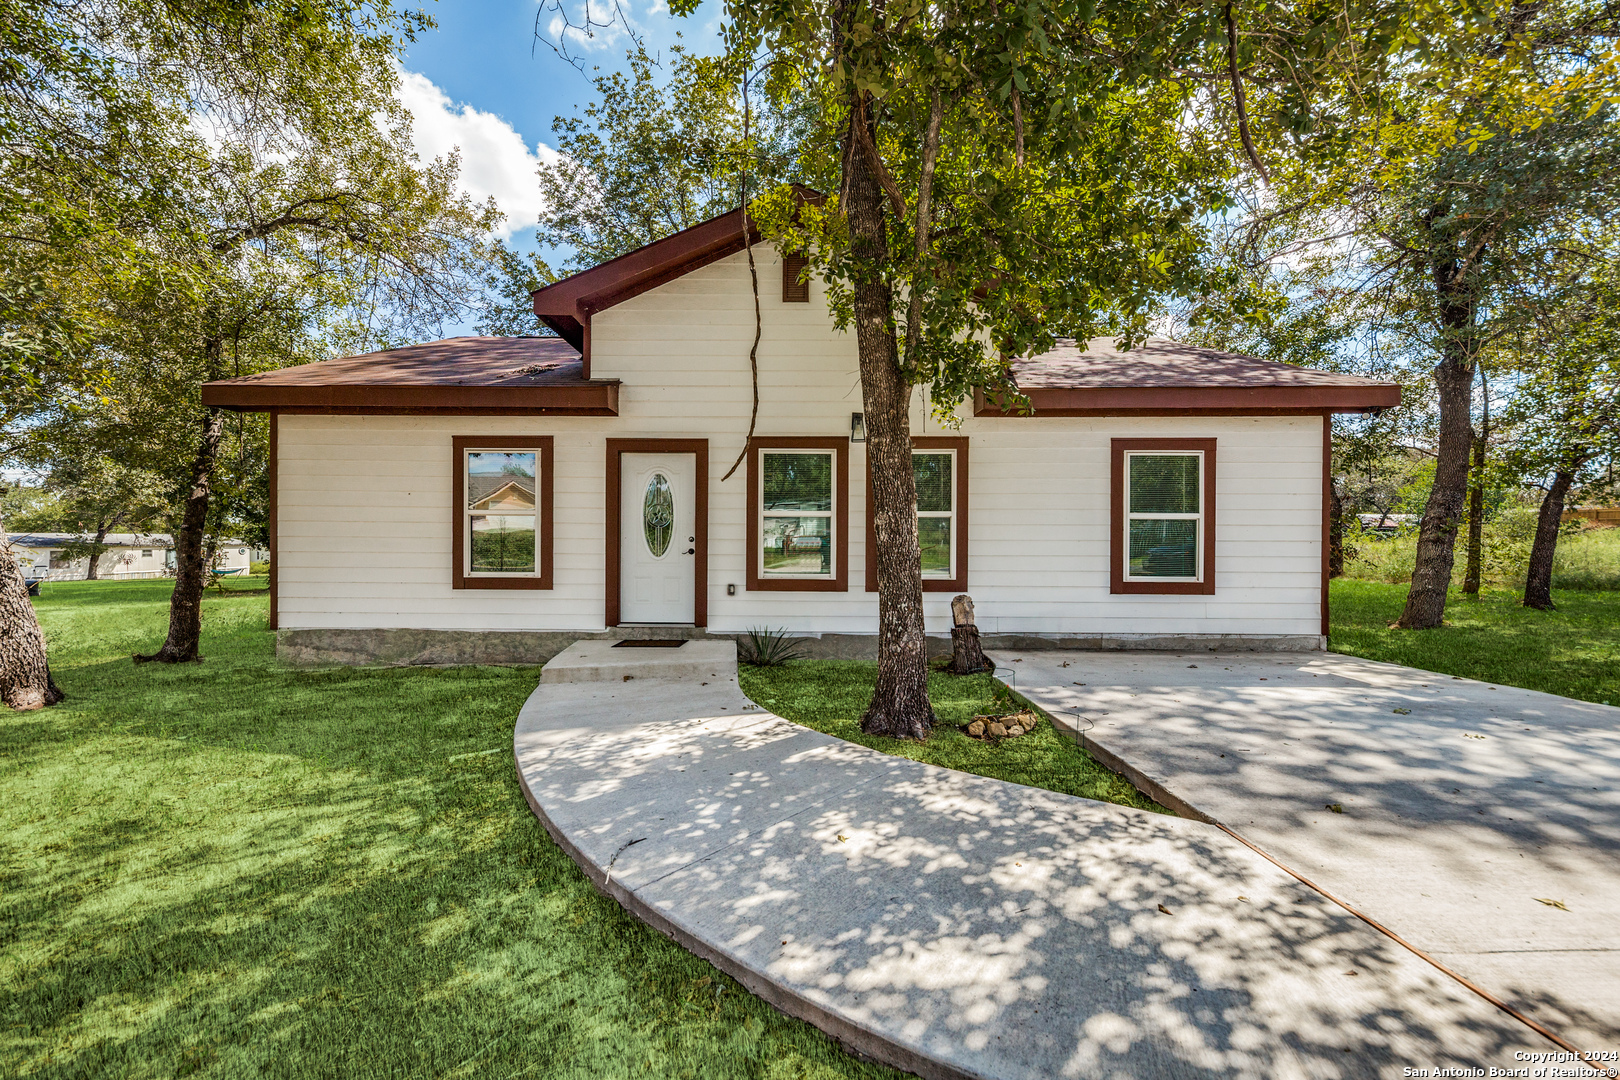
point(1003, 727)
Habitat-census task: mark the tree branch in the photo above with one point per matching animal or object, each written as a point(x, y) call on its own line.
point(1237, 94)
point(863, 136)
point(925, 196)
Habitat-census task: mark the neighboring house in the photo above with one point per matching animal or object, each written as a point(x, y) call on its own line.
point(127, 556)
point(1388, 524)
point(494, 499)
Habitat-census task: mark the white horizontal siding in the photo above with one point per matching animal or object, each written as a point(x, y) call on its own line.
point(364, 503)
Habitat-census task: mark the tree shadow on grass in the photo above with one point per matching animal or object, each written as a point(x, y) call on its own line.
point(339, 926)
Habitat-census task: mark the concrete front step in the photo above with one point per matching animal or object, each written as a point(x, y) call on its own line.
point(610, 661)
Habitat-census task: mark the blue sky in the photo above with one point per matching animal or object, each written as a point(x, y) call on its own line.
point(481, 82)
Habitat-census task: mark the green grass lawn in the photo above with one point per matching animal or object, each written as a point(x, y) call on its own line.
point(830, 695)
point(234, 869)
point(237, 869)
point(1573, 651)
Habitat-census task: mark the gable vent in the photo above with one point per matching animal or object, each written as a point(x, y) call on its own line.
point(794, 289)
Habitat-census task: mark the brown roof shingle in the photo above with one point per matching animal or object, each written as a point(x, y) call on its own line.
point(1160, 375)
point(478, 374)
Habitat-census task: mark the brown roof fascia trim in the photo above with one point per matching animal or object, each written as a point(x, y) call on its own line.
point(601, 399)
point(1195, 400)
point(590, 290)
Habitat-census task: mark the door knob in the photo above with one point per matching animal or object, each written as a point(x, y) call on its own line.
point(691, 551)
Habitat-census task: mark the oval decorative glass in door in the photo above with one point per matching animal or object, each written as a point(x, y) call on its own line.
point(658, 514)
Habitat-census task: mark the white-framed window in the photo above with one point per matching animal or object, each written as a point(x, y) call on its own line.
point(1164, 520)
point(935, 472)
point(798, 524)
point(500, 515)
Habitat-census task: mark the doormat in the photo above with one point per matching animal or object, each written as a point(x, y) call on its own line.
point(650, 643)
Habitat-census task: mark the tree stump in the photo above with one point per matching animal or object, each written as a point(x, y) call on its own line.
point(967, 655)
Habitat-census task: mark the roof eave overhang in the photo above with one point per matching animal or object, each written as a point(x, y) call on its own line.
point(1193, 401)
point(596, 399)
point(568, 305)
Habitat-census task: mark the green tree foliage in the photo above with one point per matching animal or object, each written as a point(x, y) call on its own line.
point(1564, 419)
point(1457, 199)
point(213, 189)
point(507, 306)
point(1002, 176)
point(652, 156)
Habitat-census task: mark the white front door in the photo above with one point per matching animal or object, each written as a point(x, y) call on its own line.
point(657, 519)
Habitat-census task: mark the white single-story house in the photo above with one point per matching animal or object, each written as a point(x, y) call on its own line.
point(495, 499)
point(128, 556)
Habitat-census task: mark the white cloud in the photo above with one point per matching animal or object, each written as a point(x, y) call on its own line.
point(495, 161)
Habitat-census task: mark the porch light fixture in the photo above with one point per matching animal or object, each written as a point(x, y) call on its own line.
point(857, 427)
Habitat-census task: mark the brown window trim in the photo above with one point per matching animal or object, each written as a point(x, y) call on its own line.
point(1117, 548)
point(699, 449)
point(959, 582)
point(794, 289)
point(459, 445)
point(839, 582)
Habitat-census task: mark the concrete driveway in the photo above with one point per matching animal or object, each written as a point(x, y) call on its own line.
point(1479, 822)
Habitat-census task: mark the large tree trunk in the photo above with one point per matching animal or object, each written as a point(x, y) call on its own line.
point(25, 673)
point(1476, 515)
point(1454, 379)
point(1538, 580)
point(191, 570)
point(900, 707)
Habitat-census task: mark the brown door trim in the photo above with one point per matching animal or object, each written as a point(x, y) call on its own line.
point(699, 448)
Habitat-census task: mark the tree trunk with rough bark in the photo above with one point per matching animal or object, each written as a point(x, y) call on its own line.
point(191, 569)
point(25, 672)
point(900, 707)
point(1335, 532)
point(1476, 516)
point(1538, 579)
point(967, 651)
point(1454, 379)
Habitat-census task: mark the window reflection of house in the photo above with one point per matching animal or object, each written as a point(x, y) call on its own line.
point(500, 492)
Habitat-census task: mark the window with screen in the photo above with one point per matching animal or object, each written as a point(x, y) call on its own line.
point(797, 530)
point(798, 491)
point(501, 511)
point(936, 510)
point(939, 464)
point(502, 497)
point(1163, 515)
point(1163, 510)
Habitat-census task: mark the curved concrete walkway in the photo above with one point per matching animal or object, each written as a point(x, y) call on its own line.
point(957, 926)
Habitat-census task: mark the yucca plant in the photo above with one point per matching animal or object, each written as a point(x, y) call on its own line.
point(764, 647)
